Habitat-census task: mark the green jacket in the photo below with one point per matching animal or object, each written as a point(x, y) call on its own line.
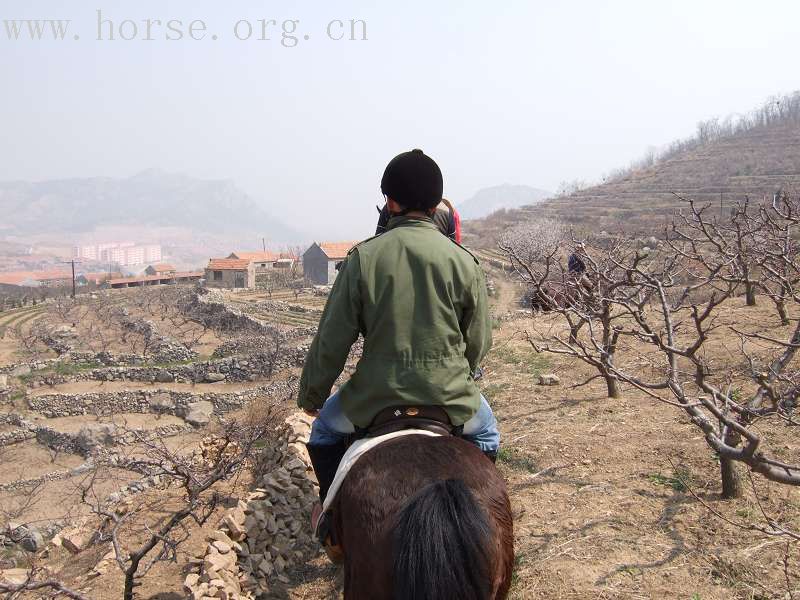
point(419, 299)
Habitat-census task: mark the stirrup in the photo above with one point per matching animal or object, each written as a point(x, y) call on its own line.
point(323, 531)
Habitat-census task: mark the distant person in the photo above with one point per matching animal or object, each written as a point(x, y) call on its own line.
point(575, 264)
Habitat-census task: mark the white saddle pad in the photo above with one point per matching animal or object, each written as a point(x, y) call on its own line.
point(356, 451)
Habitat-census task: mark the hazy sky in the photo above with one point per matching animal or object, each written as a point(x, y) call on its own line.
point(520, 92)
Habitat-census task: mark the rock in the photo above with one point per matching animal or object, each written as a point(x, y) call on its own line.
point(32, 541)
point(3, 381)
point(161, 402)
point(29, 538)
point(96, 434)
point(222, 547)
point(549, 380)
point(219, 536)
point(214, 561)
point(75, 540)
point(215, 377)
point(236, 529)
point(14, 576)
point(191, 581)
point(198, 413)
point(164, 376)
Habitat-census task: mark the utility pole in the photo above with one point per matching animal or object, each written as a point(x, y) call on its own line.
point(264, 244)
point(72, 262)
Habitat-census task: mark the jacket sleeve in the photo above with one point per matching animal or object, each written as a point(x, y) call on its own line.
point(476, 323)
point(338, 330)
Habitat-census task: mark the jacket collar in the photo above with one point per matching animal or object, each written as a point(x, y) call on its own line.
point(406, 221)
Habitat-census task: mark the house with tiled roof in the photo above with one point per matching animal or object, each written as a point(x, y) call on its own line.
point(262, 261)
point(322, 259)
point(230, 273)
point(36, 278)
point(159, 269)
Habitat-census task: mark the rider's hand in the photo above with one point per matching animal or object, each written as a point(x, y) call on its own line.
point(311, 412)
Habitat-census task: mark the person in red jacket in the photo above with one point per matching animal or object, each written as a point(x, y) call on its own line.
point(446, 219)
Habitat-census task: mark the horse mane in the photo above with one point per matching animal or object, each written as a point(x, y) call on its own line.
point(439, 545)
point(425, 518)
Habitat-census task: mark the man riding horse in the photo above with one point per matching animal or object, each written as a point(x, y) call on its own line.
point(419, 300)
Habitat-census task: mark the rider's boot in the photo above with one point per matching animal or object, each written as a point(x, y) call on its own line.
point(325, 460)
point(491, 455)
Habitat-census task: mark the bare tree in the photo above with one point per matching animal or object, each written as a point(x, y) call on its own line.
point(586, 300)
point(235, 447)
point(21, 500)
point(38, 581)
point(671, 299)
point(779, 257)
point(675, 305)
point(738, 241)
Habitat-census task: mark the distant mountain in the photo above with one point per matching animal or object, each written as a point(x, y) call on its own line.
point(489, 200)
point(151, 198)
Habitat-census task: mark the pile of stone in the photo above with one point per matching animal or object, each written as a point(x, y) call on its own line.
point(266, 534)
point(161, 348)
point(211, 304)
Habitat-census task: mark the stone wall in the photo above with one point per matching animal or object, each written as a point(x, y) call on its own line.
point(234, 369)
point(267, 534)
point(87, 438)
point(146, 401)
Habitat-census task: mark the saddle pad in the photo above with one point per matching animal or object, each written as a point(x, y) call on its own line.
point(355, 451)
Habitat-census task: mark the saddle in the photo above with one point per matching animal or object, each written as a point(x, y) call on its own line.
point(399, 418)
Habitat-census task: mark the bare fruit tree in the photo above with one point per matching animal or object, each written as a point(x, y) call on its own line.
point(138, 542)
point(38, 581)
point(779, 257)
point(586, 299)
point(674, 305)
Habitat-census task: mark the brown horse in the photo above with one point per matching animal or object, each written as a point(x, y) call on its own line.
point(425, 518)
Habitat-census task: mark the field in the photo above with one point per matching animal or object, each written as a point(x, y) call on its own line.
point(612, 498)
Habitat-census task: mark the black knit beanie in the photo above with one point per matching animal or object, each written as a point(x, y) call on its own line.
point(413, 180)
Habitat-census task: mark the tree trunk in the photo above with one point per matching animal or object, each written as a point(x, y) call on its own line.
point(731, 483)
point(573, 334)
point(612, 383)
point(127, 593)
point(750, 294)
point(781, 306)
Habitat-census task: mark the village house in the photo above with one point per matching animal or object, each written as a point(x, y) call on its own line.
point(262, 261)
point(172, 278)
point(160, 269)
point(230, 273)
point(321, 260)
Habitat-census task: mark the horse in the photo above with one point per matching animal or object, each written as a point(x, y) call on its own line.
point(424, 518)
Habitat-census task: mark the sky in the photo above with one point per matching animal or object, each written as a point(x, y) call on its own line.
point(522, 92)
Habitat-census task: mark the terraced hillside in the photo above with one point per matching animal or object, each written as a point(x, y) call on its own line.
point(754, 158)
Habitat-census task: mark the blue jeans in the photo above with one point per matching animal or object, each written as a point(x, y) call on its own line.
point(332, 426)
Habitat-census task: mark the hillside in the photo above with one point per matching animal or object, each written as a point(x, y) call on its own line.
point(723, 163)
point(489, 200)
point(151, 198)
